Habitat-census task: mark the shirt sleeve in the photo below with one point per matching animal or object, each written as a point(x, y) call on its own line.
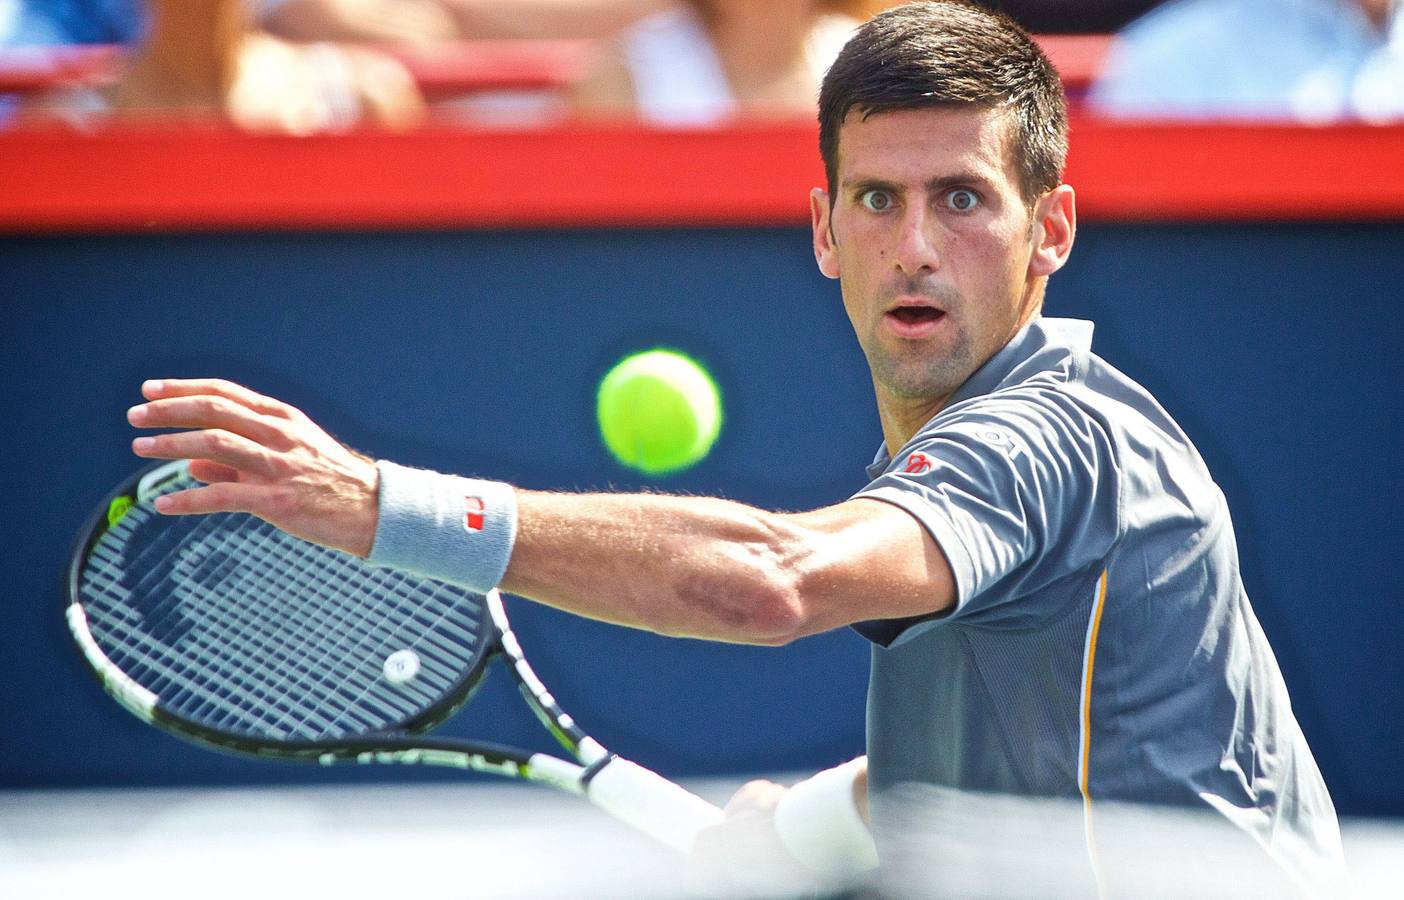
point(1018, 492)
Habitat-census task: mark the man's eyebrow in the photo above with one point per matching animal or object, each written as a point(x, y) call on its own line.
point(956, 179)
point(861, 183)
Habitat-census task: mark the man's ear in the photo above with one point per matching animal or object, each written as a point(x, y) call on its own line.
point(825, 252)
point(1054, 227)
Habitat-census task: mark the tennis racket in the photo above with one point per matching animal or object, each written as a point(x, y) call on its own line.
point(226, 631)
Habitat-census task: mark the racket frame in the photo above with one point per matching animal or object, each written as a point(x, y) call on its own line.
point(398, 738)
point(628, 791)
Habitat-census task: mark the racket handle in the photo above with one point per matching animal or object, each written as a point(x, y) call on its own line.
point(652, 803)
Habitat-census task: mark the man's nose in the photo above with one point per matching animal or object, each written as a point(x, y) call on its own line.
point(916, 245)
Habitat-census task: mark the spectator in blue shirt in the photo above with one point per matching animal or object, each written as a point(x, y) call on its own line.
point(1301, 60)
point(49, 22)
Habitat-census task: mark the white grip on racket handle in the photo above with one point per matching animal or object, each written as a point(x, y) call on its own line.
point(652, 804)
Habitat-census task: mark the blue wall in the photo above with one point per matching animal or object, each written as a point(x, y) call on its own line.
point(1275, 346)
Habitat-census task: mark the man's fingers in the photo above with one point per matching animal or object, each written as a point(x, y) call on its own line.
point(163, 388)
point(216, 445)
point(223, 497)
point(211, 472)
point(754, 799)
point(207, 411)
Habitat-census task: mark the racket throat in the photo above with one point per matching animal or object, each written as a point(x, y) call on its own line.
point(560, 774)
point(569, 776)
point(594, 769)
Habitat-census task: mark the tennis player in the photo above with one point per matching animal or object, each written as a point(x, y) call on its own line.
point(1046, 570)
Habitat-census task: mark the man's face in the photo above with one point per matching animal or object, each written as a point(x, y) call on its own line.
point(931, 242)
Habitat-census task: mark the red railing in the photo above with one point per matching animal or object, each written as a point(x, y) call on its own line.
point(749, 174)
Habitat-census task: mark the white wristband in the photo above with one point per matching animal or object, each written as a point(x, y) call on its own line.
point(459, 530)
point(819, 823)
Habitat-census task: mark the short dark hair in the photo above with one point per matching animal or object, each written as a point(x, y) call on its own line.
point(951, 53)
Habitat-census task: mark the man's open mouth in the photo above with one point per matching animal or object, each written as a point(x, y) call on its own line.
point(915, 315)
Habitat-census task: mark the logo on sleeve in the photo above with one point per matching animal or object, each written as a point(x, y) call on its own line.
point(918, 464)
point(473, 514)
point(1000, 439)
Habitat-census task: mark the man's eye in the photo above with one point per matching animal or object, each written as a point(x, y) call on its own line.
point(876, 200)
point(962, 200)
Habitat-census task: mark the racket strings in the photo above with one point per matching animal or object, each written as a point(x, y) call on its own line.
point(179, 678)
point(242, 628)
point(145, 656)
point(222, 650)
point(347, 632)
point(236, 651)
point(306, 660)
point(291, 667)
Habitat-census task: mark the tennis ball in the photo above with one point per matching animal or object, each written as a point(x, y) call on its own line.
point(659, 411)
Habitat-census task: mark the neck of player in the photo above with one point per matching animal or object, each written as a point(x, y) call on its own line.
point(902, 417)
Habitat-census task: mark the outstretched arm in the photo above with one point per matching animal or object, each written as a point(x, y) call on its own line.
point(686, 566)
point(708, 568)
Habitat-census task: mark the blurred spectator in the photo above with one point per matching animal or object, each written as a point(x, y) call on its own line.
point(387, 21)
point(396, 19)
point(51, 22)
point(378, 21)
point(703, 61)
point(203, 59)
point(548, 18)
point(422, 20)
point(1071, 16)
point(1304, 60)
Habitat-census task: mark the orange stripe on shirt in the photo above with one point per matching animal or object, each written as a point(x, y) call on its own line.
point(1089, 657)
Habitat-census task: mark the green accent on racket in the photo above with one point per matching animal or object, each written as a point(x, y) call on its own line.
point(117, 509)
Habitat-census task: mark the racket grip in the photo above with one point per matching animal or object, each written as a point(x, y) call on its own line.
point(651, 803)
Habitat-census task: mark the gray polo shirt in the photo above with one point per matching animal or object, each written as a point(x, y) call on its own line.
point(1102, 647)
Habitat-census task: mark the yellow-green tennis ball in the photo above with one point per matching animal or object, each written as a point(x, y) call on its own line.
point(659, 411)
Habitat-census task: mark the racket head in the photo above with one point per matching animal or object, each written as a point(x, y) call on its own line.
point(226, 631)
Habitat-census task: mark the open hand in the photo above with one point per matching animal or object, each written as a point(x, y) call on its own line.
point(261, 456)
